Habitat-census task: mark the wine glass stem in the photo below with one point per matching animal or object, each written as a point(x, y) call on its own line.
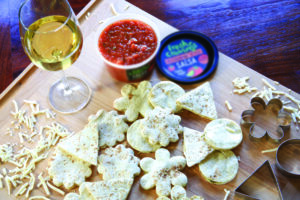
point(67, 88)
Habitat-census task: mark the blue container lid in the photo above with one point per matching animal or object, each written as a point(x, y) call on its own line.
point(187, 57)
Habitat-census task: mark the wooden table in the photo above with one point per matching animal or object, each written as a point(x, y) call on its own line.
point(264, 35)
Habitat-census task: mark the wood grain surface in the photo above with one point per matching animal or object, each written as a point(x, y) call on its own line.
point(35, 83)
point(263, 35)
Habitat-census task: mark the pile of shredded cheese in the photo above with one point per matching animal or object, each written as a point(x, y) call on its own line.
point(241, 86)
point(25, 160)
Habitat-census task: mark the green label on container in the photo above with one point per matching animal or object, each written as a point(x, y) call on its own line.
point(135, 74)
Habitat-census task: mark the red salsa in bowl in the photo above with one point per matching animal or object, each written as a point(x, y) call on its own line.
point(128, 44)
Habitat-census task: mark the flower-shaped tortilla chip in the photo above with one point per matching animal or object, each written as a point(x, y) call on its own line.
point(162, 172)
point(266, 120)
point(134, 100)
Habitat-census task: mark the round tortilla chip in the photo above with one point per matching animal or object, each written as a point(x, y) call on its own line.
point(137, 141)
point(164, 94)
point(220, 167)
point(223, 134)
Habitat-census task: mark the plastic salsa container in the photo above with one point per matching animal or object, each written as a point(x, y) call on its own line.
point(187, 57)
point(128, 43)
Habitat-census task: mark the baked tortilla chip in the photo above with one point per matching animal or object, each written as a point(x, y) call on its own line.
point(68, 171)
point(119, 161)
point(200, 101)
point(160, 127)
point(163, 172)
point(220, 167)
point(137, 141)
point(84, 144)
point(164, 94)
point(113, 189)
point(111, 127)
point(134, 100)
point(195, 148)
point(223, 134)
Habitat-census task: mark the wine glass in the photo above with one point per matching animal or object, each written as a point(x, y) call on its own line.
point(52, 39)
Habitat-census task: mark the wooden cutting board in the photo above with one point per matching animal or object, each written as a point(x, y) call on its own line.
point(33, 84)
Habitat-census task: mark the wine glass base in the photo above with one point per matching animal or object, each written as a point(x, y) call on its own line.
point(69, 96)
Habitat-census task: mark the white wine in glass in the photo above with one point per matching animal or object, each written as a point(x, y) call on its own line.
point(52, 39)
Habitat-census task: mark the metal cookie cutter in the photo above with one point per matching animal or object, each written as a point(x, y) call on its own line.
point(266, 117)
point(288, 158)
point(261, 184)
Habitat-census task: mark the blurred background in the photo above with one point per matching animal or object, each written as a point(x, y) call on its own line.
point(262, 34)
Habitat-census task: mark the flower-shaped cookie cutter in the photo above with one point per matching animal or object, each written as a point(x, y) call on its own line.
point(270, 116)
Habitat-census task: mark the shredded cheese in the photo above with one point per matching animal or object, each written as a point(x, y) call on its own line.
point(15, 106)
point(31, 185)
point(15, 163)
point(256, 94)
point(31, 102)
point(113, 10)
point(46, 179)
point(270, 93)
point(229, 107)
point(25, 160)
point(6, 153)
point(126, 7)
point(278, 92)
point(8, 184)
point(268, 84)
point(4, 171)
point(289, 109)
point(22, 189)
point(43, 182)
point(241, 86)
point(294, 117)
point(21, 137)
point(227, 194)
point(286, 102)
point(1, 184)
point(269, 150)
point(55, 189)
point(13, 182)
point(292, 99)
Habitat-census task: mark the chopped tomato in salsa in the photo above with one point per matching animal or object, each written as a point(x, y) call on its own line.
point(127, 42)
